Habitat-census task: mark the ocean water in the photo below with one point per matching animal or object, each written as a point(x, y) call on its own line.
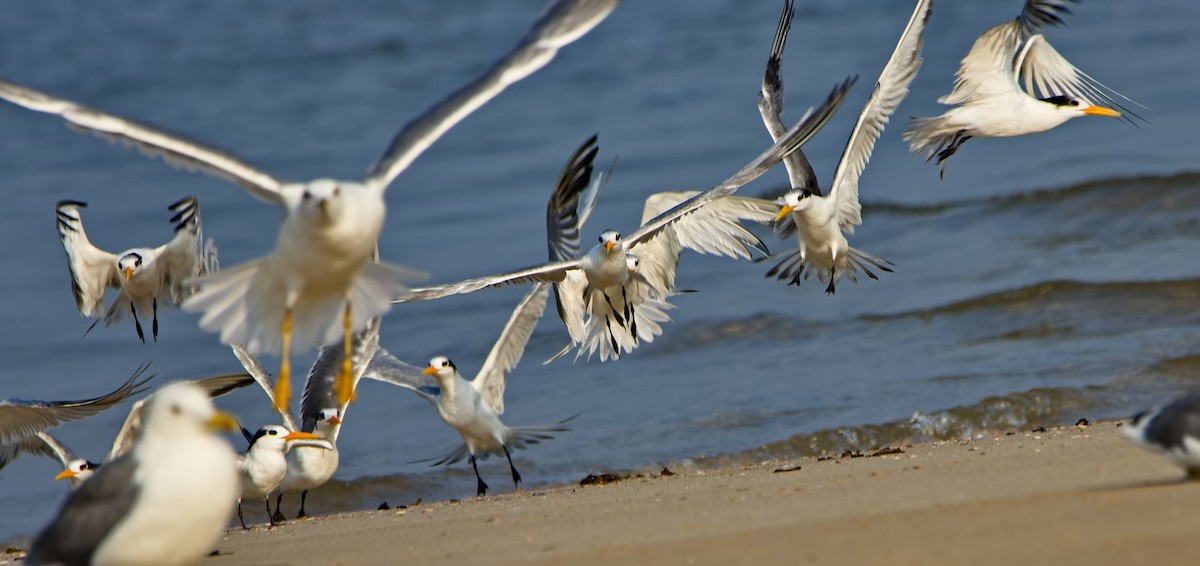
point(1047, 278)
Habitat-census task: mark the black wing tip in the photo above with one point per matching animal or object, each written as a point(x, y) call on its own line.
point(70, 203)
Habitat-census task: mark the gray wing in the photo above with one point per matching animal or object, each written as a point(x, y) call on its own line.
point(184, 257)
point(562, 212)
point(318, 388)
point(387, 368)
point(260, 376)
point(92, 269)
point(545, 273)
point(41, 444)
point(770, 105)
point(150, 140)
point(90, 513)
point(1047, 73)
point(20, 419)
point(809, 125)
point(890, 90)
point(1175, 421)
point(562, 23)
point(509, 347)
point(131, 429)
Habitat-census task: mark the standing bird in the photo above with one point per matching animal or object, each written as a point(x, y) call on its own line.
point(264, 463)
point(609, 292)
point(1173, 431)
point(821, 222)
point(988, 99)
point(320, 266)
point(473, 408)
point(167, 501)
point(145, 277)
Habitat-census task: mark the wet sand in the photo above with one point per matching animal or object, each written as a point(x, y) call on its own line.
point(1070, 495)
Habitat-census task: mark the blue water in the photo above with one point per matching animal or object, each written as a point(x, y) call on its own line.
point(1047, 278)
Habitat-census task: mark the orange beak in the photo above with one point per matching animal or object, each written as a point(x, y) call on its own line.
point(429, 371)
point(128, 273)
point(609, 245)
point(787, 208)
point(1101, 111)
point(65, 474)
point(305, 435)
point(334, 420)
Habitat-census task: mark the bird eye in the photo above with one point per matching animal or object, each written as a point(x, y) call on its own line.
point(445, 363)
point(307, 195)
point(272, 432)
point(337, 191)
point(1074, 103)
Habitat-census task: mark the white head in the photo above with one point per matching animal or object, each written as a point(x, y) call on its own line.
point(184, 408)
point(795, 199)
point(610, 239)
point(77, 471)
point(277, 438)
point(322, 200)
point(1076, 107)
point(632, 263)
point(129, 265)
point(441, 368)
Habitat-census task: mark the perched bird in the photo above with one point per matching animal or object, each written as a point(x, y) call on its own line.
point(318, 283)
point(145, 277)
point(820, 222)
point(607, 290)
point(988, 99)
point(165, 502)
point(20, 419)
point(264, 463)
point(1173, 431)
point(473, 408)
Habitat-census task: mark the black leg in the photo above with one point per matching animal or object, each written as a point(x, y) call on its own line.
point(303, 496)
point(154, 324)
point(277, 517)
point(629, 315)
point(481, 488)
point(612, 338)
point(240, 519)
point(267, 501)
point(137, 324)
point(516, 475)
point(832, 277)
point(620, 320)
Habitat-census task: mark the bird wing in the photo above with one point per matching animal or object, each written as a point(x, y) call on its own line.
point(890, 89)
point(89, 515)
point(131, 429)
point(260, 376)
point(987, 69)
point(41, 444)
point(770, 105)
point(800, 133)
point(319, 386)
point(20, 419)
point(1047, 73)
point(185, 256)
point(553, 272)
point(93, 270)
point(509, 347)
point(150, 140)
point(562, 212)
point(387, 368)
point(560, 24)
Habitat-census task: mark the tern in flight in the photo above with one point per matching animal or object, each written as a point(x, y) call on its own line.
point(321, 262)
point(821, 222)
point(988, 99)
point(146, 277)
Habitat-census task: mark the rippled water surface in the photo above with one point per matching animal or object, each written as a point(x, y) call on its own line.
point(1048, 278)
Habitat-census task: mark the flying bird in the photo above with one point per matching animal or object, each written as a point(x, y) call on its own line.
point(988, 99)
point(146, 278)
point(20, 419)
point(166, 501)
point(75, 469)
point(319, 283)
point(473, 408)
point(820, 222)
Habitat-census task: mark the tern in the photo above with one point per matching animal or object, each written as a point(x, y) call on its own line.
point(167, 501)
point(263, 465)
point(21, 419)
point(606, 289)
point(821, 222)
point(320, 265)
point(1173, 431)
point(75, 468)
point(988, 99)
point(473, 408)
point(145, 277)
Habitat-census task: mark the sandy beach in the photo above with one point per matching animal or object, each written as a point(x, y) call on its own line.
point(1070, 495)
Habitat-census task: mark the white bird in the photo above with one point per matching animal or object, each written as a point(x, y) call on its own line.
point(320, 266)
point(473, 408)
point(75, 468)
point(309, 467)
point(988, 99)
point(821, 222)
point(165, 502)
point(146, 277)
point(606, 289)
point(20, 419)
point(263, 465)
point(1173, 431)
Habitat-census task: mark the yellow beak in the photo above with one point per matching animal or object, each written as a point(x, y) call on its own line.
point(429, 371)
point(609, 245)
point(223, 421)
point(787, 208)
point(324, 204)
point(334, 420)
point(65, 474)
point(128, 273)
point(1101, 111)
point(304, 435)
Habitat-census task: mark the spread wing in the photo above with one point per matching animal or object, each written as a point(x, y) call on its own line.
point(545, 273)
point(1047, 73)
point(263, 379)
point(800, 133)
point(890, 89)
point(20, 419)
point(131, 429)
point(562, 212)
point(41, 444)
point(150, 140)
point(388, 369)
point(93, 270)
point(770, 105)
point(562, 23)
point(185, 256)
point(319, 387)
point(509, 347)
